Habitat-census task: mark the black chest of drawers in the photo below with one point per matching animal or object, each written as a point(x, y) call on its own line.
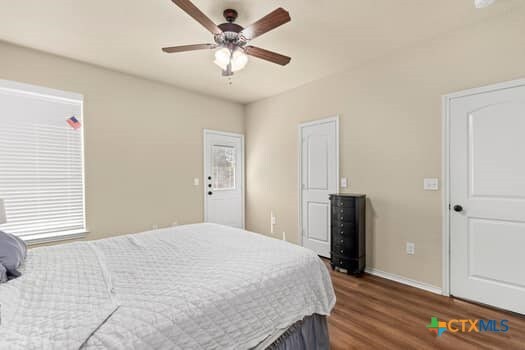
point(348, 232)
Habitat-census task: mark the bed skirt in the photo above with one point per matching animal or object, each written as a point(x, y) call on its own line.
point(311, 333)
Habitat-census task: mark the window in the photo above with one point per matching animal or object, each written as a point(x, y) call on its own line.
point(223, 167)
point(41, 162)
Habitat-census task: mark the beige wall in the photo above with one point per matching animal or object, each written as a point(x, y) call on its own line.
point(143, 140)
point(390, 114)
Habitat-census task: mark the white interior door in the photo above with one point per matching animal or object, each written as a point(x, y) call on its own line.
point(319, 178)
point(224, 178)
point(487, 197)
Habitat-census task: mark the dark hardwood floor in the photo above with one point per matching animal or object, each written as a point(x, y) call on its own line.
point(375, 313)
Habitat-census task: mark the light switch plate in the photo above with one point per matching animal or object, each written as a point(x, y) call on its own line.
point(344, 182)
point(431, 184)
point(411, 248)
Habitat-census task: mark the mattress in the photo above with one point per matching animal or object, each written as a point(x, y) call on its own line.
point(201, 286)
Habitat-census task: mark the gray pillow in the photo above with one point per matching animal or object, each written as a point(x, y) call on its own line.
point(13, 251)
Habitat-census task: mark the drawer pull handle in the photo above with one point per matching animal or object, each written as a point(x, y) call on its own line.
point(341, 251)
point(342, 225)
point(342, 241)
point(340, 204)
point(342, 233)
point(342, 211)
point(341, 218)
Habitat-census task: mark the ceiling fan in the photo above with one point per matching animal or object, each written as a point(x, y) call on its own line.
point(231, 40)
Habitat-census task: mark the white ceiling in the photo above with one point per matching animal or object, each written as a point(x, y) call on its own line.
point(324, 37)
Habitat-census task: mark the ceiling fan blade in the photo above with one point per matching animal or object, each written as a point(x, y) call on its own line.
point(267, 55)
point(183, 48)
point(192, 10)
point(267, 23)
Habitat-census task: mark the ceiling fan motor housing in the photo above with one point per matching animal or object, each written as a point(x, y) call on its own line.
point(230, 31)
point(230, 15)
point(230, 27)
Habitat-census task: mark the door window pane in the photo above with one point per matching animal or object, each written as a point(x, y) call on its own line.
point(223, 167)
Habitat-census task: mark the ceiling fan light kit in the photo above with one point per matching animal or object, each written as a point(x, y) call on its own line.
point(230, 61)
point(231, 40)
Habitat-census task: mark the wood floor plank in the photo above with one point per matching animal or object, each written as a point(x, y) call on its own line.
point(376, 313)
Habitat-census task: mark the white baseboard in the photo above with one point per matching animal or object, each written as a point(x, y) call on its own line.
point(404, 280)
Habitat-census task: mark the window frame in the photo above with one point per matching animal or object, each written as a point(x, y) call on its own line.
point(52, 94)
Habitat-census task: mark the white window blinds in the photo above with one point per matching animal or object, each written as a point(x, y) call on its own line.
point(41, 162)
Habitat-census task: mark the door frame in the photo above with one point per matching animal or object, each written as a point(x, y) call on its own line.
point(300, 165)
point(205, 133)
point(445, 162)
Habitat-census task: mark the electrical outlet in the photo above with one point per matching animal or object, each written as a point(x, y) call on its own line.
point(411, 248)
point(284, 236)
point(196, 182)
point(344, 182)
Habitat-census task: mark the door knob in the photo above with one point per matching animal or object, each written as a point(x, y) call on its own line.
point(458, 208)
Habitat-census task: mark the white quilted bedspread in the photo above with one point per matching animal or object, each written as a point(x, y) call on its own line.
point(200, 286)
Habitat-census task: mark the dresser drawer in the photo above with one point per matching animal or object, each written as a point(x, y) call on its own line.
point(346, 248)
point(344, 263)
point(346, 242)
point(338, 226)
point(343, 214)
point(344, 203)
point(344, 233)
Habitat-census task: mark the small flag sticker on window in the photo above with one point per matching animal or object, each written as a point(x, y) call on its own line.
point(74, 123)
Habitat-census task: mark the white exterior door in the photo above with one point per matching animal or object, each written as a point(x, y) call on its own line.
point(319, 178)
point(224, 178)
point(487, 197)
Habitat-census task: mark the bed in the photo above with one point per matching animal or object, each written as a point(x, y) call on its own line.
point(201, 286)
